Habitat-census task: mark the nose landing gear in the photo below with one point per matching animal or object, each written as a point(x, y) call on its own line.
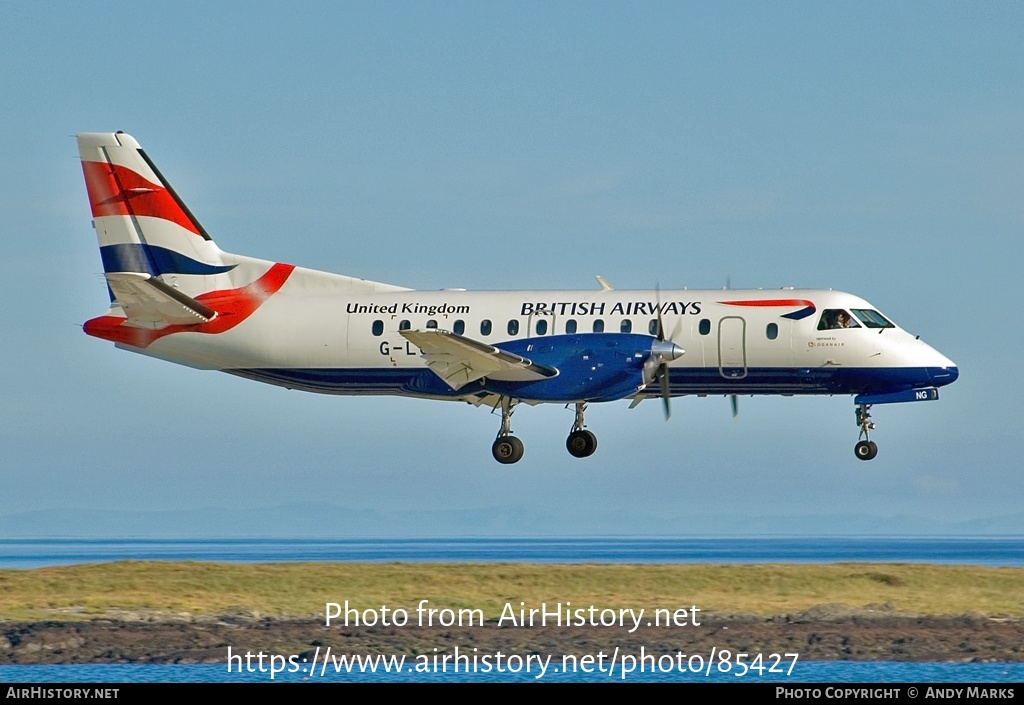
point(580, 443)
point(866, 449)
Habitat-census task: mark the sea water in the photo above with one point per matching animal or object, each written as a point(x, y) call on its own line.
point(804, 672)
point(982, 550)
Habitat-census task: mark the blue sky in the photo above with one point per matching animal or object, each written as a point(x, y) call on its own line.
point(867, 147)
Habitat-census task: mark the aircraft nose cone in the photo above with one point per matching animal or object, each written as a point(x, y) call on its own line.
point(945, 375)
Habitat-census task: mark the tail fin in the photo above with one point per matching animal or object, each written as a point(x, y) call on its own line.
point(142, 225)
point(165, 273)
point(156, 255)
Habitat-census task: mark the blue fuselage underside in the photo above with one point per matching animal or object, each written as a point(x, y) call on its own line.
point(756, 380)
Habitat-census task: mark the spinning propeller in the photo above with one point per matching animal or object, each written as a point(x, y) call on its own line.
point(663, 351)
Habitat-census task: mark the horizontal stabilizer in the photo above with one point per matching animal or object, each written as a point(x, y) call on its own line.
point(459, 360)
point(149, 303)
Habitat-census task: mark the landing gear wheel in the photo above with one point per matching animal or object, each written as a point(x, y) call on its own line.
point(507, 449)
point(581, 443)
point(866, 450)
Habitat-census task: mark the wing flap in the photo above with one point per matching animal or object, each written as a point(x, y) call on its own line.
point(149, 303)
point(459, 360)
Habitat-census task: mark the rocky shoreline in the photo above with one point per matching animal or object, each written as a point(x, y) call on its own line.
point(822, 633)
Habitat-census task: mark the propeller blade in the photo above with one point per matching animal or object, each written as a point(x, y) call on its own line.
point(677, 328)
point(665, 391)
point(735, 402)
point(663, 354)
point(661, 323)
point(651, 366)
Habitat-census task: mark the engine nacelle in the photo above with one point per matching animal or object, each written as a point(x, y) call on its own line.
point(591, 366)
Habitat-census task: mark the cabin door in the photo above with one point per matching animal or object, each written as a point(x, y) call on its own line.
point(732, 349)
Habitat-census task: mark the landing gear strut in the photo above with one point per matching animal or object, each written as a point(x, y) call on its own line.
point(865, 449)
point(580, 442)
point(507, 449)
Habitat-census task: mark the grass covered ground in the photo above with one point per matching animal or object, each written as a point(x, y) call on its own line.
point(153, 588)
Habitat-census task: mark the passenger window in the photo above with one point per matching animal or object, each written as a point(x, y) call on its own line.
point(378, 327)
point(513, 327)
point(652, 327)
point(570, 326)
point(598, 325)
point(704, 327)
point(459, 328)
point(835, 318)
point(626, 326)
point(431, 324)
point(542, 327)
point(485, 327)
point(404, 325)
point(772, 331)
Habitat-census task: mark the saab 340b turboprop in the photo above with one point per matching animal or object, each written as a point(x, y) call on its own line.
point(175, 295)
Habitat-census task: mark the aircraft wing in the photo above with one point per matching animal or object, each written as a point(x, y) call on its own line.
point(459, 360)
point(149, 303)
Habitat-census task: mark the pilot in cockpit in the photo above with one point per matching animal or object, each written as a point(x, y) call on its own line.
point(833, 318)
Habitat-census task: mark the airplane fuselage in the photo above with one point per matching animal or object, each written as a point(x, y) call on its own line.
point(735, 341)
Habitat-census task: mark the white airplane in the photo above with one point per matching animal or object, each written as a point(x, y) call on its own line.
point(176, 296)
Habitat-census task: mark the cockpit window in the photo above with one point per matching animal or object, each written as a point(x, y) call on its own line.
point(871, 318)
point(832, 318)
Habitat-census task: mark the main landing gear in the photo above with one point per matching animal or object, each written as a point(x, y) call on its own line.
point(508, 449)
point(866, 449)
point(580, 443)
